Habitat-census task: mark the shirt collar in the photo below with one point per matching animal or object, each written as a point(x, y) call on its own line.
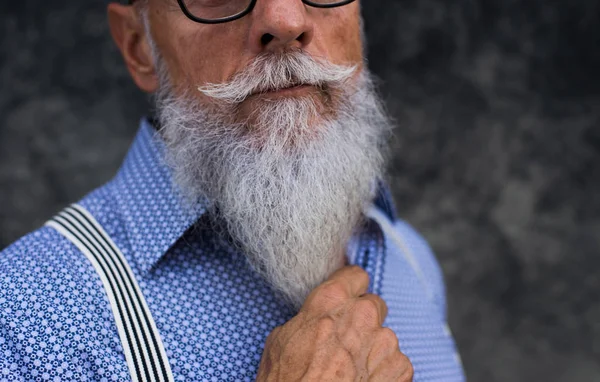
point(384, 201)
point(154, 211)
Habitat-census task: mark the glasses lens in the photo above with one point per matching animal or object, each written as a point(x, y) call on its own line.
point(215, 9)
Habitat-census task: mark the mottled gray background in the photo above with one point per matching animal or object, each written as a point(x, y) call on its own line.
point(496, 158)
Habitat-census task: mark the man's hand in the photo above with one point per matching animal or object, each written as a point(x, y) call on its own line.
point(336, 336)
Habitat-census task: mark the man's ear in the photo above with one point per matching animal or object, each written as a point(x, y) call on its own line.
point(127, 29)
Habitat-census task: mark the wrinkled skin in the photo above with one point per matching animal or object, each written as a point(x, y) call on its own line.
point(336, 336)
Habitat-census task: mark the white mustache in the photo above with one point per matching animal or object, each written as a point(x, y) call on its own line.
point(276, 71)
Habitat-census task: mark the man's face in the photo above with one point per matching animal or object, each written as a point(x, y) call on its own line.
point(198, 54)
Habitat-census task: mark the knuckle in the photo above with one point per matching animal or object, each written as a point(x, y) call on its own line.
point(342, 357)
point(408, 369)
point(324, 329)
point(352, 342)
point(410, 372)
point(361, 274)
point(332, 290)
point(402, 364)
point(367, 311)
point(387, 339)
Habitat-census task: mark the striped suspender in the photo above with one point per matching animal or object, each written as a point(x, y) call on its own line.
point(142, 345)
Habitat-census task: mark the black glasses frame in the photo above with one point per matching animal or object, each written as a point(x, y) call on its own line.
point(243, 13)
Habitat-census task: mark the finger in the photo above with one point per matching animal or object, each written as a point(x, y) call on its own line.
point(385, 343)
point(344, 284)
point(359, 327)
point(353, 278)
point(395, 368)
point(375, 306)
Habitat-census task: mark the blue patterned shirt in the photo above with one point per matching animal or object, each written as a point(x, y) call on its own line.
point(212, 311)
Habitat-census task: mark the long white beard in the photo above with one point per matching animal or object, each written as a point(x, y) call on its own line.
point(290, 193)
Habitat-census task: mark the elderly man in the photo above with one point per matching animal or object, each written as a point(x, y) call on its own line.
point(248, 234)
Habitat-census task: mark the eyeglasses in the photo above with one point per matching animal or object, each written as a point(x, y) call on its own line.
point(222, 11)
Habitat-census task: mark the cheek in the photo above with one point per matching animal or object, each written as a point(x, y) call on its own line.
point(353, 49)
point(202, 56)
point(342, 34)
point(201, 61)
point(351, 34)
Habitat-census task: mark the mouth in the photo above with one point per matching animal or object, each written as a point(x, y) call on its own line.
point(288, 91)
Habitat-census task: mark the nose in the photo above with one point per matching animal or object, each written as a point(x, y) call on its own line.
point(279, 25)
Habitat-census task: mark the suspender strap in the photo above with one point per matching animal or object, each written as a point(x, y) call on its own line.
point(142, 345)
